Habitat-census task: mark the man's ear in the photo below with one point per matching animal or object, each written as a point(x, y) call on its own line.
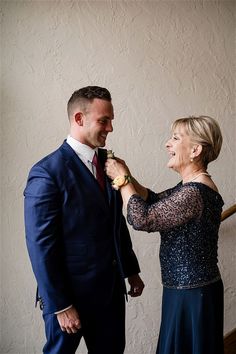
point(79, 118)
point(196, 150)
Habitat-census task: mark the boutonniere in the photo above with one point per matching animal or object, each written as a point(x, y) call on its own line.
point(110, 154)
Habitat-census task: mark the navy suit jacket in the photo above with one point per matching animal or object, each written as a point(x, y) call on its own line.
point(74, 233)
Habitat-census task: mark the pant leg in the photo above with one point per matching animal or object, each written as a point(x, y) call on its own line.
point(59, 342)
point(104, 329)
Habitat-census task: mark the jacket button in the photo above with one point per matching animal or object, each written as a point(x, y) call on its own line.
point(114, 262)
point(41, 304)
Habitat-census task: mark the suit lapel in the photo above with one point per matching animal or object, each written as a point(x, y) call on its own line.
point(82, 173)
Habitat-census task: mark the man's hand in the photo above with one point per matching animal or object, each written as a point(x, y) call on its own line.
point(136, 285)
point(69, 320)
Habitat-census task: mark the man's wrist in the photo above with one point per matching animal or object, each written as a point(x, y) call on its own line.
point(67, 308)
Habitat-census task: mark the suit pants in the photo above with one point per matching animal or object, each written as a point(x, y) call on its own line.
point(103, 329)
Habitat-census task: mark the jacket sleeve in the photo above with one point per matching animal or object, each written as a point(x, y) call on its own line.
point(129, 259)
point(42, 207)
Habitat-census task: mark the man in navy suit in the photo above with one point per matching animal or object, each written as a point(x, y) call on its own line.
point(78, 242)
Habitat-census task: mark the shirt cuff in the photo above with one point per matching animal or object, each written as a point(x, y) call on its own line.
point(67, 308)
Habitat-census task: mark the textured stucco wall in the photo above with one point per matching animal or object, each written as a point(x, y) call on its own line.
point(161, 60)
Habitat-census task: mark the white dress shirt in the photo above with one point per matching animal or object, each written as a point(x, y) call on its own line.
point(84, 152)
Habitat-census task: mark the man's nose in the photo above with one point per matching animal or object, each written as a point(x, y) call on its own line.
point(109, 127)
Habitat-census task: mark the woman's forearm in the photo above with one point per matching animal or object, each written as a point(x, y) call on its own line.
point(141, 190)
point(133, 188)
point(126, 192)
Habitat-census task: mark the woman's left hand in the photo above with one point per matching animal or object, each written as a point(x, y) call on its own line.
point(116, 167)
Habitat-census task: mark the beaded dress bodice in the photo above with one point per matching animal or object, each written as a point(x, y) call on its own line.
point(188, 219)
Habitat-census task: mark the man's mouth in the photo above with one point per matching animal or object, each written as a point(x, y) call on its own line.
point(104, 136)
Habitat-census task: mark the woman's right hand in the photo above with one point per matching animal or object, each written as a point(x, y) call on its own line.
point(116, 167)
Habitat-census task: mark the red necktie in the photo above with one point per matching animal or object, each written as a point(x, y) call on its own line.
point(99, 171)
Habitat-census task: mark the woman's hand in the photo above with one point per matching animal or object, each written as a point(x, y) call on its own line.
point(116, 167)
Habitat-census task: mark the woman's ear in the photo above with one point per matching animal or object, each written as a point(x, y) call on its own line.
point(78, 117)
point(196, 150)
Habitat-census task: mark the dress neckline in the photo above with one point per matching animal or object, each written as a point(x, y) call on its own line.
point(202, 184)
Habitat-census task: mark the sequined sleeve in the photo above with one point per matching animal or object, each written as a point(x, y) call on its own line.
point(154, 197)
point(171, 211)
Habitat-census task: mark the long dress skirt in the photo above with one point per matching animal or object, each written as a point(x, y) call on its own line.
point(192, 320)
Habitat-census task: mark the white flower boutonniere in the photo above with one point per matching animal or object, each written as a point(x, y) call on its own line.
point(110, 154)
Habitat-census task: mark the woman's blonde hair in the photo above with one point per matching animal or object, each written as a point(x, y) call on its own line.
point(205, 131)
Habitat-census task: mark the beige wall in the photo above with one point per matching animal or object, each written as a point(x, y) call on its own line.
point(160, 60)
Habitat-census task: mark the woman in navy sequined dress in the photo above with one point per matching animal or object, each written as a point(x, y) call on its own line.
point(188, 219)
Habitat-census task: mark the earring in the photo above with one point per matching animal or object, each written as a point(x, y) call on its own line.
point(191, 159)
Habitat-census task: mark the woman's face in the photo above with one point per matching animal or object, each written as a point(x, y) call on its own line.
point(180, 148)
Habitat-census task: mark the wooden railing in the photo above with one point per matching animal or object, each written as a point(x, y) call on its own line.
point(229, 338)
point(230, 343)
point(228, 212)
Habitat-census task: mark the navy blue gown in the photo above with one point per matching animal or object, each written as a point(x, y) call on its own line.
point(188, 219)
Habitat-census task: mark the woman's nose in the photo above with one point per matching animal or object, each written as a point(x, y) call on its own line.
point(168, 144)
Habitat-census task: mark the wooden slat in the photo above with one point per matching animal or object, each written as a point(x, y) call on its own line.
point(230, 343)
point(228, 212)
point(230, 338)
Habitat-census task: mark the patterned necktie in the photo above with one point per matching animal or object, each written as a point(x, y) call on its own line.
point(99, 172)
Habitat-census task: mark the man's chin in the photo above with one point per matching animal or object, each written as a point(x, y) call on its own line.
point(102, 143)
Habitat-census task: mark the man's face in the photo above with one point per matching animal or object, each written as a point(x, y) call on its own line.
point(97, 123)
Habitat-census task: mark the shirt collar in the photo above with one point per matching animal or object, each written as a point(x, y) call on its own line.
point(81, 149)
